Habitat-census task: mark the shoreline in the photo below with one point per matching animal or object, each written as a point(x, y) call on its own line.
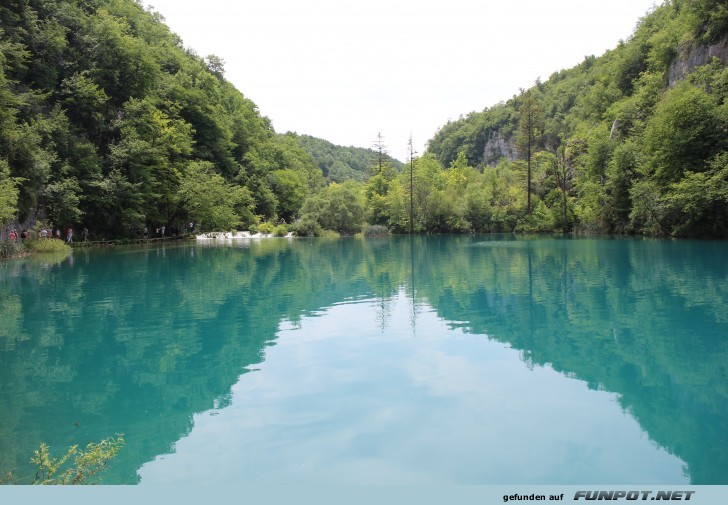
point(238, 235)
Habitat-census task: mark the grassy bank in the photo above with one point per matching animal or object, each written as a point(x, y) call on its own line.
point(12, 249)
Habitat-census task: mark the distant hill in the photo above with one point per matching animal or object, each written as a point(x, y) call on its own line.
point(339, 163)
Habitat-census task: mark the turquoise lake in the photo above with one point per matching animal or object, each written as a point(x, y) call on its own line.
point(426, 360)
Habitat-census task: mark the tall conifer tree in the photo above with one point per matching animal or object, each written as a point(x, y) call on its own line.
point(529, 134)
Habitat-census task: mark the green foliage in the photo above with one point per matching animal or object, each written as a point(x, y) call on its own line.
point(210, 201)
point(337, 208)
point(307, 226)
point(106, 118)
point(63, 200)
point(104, 112)
point(75, 467)
point(375, 191)
point(339, 163)
point(85, 101)
point(685, 130)
point(329, 234)
point(462, 200)
point(119, 202)
point(711, 18)
point(528, 138)
point(648, 209)
point(8, 193)
point(11, 249)
point(427, 194)
point(641, 124)
point(471, 134)
point(375, 230)
point(557, 169)
point(620, 175)
point(281, 230)
point(47, 245)
point(267, 228)
point(291, 189)
point(698, 204)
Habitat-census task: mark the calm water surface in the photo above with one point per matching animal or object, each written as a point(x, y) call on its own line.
point(466, 360)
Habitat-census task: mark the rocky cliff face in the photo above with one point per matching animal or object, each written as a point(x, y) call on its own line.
point(691, 56)
point(497, 147)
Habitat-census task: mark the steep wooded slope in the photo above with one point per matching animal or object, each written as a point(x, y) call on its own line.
point(643, 129)
point(108, 121)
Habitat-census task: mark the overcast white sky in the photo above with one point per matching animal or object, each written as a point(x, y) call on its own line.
point(344, 70)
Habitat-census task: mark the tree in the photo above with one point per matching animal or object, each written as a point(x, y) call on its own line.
point(85, 102)
point(8, 194)
point(382, 153)
point(124, 66)
point(375, 191)
point(411, 185)
point(118, 203)
point(479, 211)
point(151, 153)
point(559, 166)
point(212, 202)
point(648, 212)
point(687, 129)
point(290, 188)
point(396, 204)
point(62, 202)
point(428, 185)
point(698, 204)
point(620, 174)
point(337, 208)
point(530, 128)
point(216, 65)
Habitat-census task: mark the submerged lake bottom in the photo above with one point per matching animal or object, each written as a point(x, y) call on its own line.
point(398, 360)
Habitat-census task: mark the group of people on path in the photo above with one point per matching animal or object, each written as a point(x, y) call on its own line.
point(68, 234)
point(14, 236)
point(172, 231)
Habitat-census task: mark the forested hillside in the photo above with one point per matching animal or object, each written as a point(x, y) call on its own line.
point(339, 163)
point(107, 121)
point(633, 141)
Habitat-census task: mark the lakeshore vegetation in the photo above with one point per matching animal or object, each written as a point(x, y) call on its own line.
point(108, 122)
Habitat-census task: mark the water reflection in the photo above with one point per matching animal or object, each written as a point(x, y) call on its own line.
point(644, 319)
point(146, 341)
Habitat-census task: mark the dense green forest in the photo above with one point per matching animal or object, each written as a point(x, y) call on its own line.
point(633, 141)
point(108, 122)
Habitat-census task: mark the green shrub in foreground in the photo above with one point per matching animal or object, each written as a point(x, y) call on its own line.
point(329, 234)
point(10, 249)
point(306, 227)
point(46, 245)
point(375, 230)
point(266, 228)
point(281, 230)
point(76, 466)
